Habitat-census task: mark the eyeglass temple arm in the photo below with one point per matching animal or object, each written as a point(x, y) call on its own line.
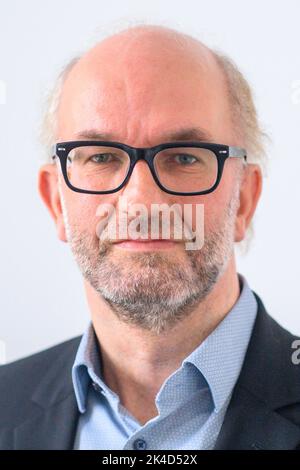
point(237, 152)
point(53, 151)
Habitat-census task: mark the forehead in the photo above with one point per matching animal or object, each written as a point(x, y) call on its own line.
point(140, 94)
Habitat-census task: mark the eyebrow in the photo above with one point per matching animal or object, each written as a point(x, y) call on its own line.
point(181, 134)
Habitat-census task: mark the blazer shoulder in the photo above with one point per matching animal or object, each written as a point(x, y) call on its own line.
point(279, 334)
point(20, 377)
point(28, 382)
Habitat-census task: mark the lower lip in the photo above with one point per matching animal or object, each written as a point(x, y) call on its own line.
point(144, 246)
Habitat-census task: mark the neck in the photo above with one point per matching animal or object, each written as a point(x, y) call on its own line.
point(135, 362)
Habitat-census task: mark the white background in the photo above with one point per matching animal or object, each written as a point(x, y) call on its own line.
point(42, 298)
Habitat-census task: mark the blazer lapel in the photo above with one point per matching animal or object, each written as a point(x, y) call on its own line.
point(54, 408)
point(250, 424)
point(268, 382)
point(53, 428)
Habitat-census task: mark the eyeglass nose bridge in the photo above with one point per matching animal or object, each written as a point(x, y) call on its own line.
point(147, 154)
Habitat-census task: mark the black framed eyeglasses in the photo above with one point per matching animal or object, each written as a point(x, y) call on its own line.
point(180, 168)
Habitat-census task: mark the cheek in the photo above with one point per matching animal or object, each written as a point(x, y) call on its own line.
point(82, 211)
point(213, 208)
point(215, 205)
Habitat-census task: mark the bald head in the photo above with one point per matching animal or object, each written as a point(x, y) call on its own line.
point(141, 80)
point(151, 42)
point(150, 47)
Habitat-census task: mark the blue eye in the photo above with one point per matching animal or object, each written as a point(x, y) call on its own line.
point(185, 158)
point(100, 157)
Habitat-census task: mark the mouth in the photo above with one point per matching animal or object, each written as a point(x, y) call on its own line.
point(146, 245)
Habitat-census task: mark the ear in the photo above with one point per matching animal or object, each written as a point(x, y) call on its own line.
point(250, 191)
point(49, 192)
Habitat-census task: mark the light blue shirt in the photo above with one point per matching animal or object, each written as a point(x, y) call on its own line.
point(191, 402)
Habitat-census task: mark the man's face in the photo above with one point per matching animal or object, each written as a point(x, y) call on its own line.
point(138, 91)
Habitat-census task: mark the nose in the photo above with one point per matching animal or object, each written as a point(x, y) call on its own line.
point(142, 188)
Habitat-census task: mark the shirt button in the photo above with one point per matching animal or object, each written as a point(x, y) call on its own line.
point(140, 444)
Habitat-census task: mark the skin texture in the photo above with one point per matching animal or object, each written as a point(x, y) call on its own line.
point(139, 86)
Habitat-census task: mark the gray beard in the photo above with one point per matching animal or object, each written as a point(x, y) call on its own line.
point(149, 289)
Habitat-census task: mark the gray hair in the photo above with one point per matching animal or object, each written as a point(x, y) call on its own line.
point(243, 111)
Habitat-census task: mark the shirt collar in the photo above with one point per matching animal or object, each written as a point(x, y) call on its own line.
point(87, 364)
point(219, 357)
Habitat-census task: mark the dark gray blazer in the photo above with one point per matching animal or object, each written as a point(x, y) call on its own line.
point(38, 409)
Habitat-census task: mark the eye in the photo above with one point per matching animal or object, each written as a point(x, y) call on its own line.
point(101, 157)
point(185, 159)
